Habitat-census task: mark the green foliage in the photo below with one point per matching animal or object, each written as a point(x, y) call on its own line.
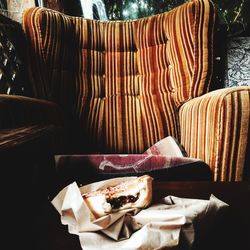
point(233, 14)
point(132, 9)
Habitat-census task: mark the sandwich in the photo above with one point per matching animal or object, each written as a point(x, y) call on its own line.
point(132, 193)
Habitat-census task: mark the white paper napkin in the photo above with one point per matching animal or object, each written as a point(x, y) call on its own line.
point(160, 226)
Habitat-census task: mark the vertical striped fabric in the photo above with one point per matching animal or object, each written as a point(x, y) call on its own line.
point(215, 128)
point(122, 81)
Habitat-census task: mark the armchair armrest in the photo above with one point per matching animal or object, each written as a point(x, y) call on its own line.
point(215, 128)
point(17, 111)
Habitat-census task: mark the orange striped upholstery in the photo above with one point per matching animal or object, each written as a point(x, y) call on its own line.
point(122, 81)
point(215, 128)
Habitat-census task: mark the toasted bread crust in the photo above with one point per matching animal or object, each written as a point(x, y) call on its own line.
point(140, 187)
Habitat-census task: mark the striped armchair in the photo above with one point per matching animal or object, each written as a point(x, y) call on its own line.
point(124, 85)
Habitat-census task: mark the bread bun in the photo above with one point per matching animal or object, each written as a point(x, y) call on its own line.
point(133, 193)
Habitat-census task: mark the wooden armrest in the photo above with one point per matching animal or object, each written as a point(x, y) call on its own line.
point(17, 111)
point(11, 139)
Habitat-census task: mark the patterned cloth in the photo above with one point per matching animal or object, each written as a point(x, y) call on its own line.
point(171, 165)
point(238, 67)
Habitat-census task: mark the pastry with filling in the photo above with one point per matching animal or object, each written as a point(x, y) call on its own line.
point(134, 193)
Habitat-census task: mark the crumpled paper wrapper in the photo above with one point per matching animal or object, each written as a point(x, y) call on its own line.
point(161, 226)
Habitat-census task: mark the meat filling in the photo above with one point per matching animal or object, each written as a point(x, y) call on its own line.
point(122, 200)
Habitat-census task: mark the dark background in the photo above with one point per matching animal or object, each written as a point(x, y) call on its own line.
point(233, 15)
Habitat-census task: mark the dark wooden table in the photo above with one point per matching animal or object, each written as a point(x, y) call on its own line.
point(231, 229)
point(27, 174)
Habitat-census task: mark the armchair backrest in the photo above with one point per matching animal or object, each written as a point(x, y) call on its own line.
point(122, 81)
